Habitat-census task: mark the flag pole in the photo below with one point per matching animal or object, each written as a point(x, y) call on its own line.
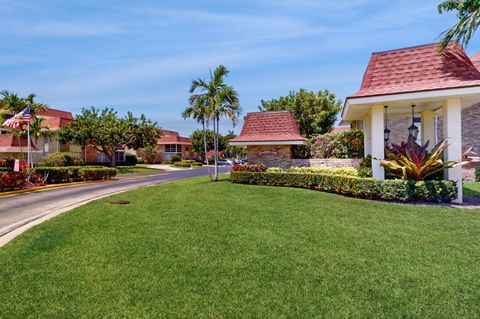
point(29, 155)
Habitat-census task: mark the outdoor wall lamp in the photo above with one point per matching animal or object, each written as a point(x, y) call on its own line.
point(386, 131)
point(413, 130)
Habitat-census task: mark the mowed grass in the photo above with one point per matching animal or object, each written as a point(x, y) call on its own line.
point(135, 169)
point(471, 189)
point(197, 249)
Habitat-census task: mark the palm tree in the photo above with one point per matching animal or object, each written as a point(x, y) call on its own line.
point(198, 110)
point(468, 13)
point(38, 130)
point(222, 101)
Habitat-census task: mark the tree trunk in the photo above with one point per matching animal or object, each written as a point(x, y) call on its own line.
point(216, 147)
point(206, 149)
point(111, 157)
point(215, 158)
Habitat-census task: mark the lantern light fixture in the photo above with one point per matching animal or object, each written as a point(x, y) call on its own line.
point(386, 131)
point(413, 130)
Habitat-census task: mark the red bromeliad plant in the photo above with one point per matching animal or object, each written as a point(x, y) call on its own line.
point(411, 161)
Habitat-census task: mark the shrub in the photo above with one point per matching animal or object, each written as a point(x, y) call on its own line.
point(140, 161)
point(399, 190)
point(197, 164)
point(346, 171)
point(364, 172)
point(75, 173)
point(347, 144)
point(189, 161)
point(275, 170)
point(12, 180)
point(477, 174)
point(176, 158)
point(5, 169)
point(182, 164)
point(61, 159)
point(249, 168)
point(130, 159)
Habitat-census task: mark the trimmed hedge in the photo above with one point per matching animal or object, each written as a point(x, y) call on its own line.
point(368, 188)
point(345, 171)
point(61, 159)
point(477, 174)
point(75, 173)
point(181, 164)
point(12, 180)
point(249, 168)
point(5, 169)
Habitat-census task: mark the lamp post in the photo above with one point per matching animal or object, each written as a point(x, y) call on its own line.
point(413, 130)
point(386, 131)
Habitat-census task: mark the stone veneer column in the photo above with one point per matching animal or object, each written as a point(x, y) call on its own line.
point(452, 130)
point(377, 142)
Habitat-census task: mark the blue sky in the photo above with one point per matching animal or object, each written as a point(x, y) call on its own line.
point(141, 55)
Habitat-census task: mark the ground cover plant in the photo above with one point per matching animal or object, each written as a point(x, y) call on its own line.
point(244, 251)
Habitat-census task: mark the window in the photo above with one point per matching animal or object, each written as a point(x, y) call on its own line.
point(46, 145)
point(173, 148)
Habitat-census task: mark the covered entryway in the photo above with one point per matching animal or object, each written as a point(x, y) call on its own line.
point(421, 80)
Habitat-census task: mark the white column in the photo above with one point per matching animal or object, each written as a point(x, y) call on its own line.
point(452, 130)
point(367, 135)
point(428, 128)
point(377, 142)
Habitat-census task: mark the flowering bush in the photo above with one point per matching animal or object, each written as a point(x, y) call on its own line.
point(249, 168)
point(12, 180)
point(347, 144)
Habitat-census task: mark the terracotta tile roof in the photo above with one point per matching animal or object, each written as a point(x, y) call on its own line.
point(172, 137)
point(55, 119)
point(416, 69)
point(10, 143)
point(476, 60)
point(275, 126)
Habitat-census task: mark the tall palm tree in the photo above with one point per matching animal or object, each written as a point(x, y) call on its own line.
point(198, 110)
point(222, 101)
point(37, 129)
point(468, 13)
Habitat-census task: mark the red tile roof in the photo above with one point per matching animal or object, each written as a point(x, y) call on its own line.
point(476, 60)
point(273, 126)
point(416, 69)
point(172, 137)
point(10, 143)
point(55, 119)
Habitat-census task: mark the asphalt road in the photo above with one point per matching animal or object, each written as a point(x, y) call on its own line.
point(19, 210)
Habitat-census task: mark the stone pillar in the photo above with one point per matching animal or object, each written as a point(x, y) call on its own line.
point(367, 135)
point(428, 128)
point(452, 130)
point(377, 142)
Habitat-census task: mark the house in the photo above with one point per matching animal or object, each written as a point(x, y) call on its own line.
point(439, 93)
point(269, 138)
point(172, 144)
point(14, 147)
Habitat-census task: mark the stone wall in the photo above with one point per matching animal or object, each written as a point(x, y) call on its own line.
point(270, 155)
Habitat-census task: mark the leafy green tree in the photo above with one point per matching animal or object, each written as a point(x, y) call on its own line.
point(197, 138)
point(315, 113)
point(221, 100)
point(107, 132)
point(234, 151)
point(468, 14)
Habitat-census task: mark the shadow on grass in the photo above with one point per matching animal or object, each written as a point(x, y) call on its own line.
point(471, 189)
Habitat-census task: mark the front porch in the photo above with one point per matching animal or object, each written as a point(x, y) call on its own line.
point(438, 86)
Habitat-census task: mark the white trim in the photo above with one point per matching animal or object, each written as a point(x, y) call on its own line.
point(269, 143)
point(438, 93)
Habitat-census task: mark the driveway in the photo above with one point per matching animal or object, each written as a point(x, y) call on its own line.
point(20, 210)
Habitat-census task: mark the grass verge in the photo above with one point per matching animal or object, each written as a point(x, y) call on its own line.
point(194, 248)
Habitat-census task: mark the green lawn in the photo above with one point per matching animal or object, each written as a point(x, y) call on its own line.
point(135, 169)
point(471, 189)
point(197, 249)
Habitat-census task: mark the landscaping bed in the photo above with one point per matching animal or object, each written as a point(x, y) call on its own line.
point(244, 251)
point(354, 186)
point(70, 174)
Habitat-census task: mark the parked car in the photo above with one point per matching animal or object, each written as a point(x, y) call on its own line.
point(225, 162)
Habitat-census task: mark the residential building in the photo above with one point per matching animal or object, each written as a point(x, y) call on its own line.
point(172, 144)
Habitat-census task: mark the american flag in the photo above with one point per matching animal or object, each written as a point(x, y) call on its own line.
point(14, 122)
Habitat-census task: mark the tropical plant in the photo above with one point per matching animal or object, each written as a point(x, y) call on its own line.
point(347, 144)
point(468, 14)
point(315, 113)
point(199, 111)
point(107, 132)
point(38, 130)
point(411, 161)
point(220, 99)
